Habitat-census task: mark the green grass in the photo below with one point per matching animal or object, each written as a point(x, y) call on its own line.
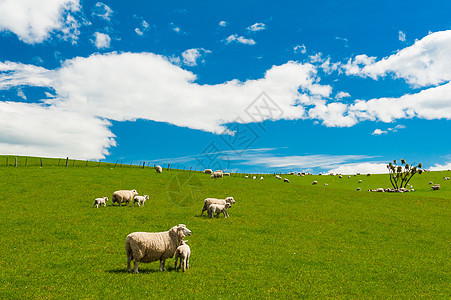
point(282, 240)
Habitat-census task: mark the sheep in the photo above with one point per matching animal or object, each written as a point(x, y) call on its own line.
point(261, 178)
point(159, 169)
point(430, 182)
point(140, 199)
point(146, 247)
point(226, 174)
point(217, 175)
point(100, 201)
point(446, 178)
point(340, 176)
point(208, 171)
point(358, 189)
point(435, 187)
point(123, 196)
point(255, 177)
point(278, 176)
point(217, 209)
point(314, 182)
point(326, 184)
point(183, 252)
point(380, 190)
point(210, 201)
point(246, 177)
point(360, 181)
point(286, 180)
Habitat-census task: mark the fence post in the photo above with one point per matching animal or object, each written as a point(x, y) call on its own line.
point(15, 162)
point(6, 162)
point(115, 163)
point(121, 163)
point(169, 166)
point(144, 163)
point(41, 161)
point(26, 161)
point(99, 163)
point(67, 161)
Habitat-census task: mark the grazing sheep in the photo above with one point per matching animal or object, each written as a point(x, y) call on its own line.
point(210, 201)
point(159, 169)
point(349, 176)
point(100, 201)
point(208, 171)
point(326, 184)
point(255, 177)
point(340, 176)
point(183, 252)
point(278, 176)
point(140, 200)
point(360, 181)
point(314, 182)
point(357, 173)
point(368, 174)
point(286, 180)
point(226, 174)
point(446, 178)
point(123, 196)
point(217, 175)
point(435, 187)
point(358, 189)
point(261, 178)
point(217, 209)
point(380, 190)
point(246, 177)
point(430, 182)
point(147, 247)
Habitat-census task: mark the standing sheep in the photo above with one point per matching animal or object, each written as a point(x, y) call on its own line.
point(210, 201)
point(217, 175)
point(286, 180)
point(183, 252)
point(159, 169)
point(140, 200)
point(246, 177)
point(435, 187)
point(261, 178)
point(208, 171)
point(123, 196)
point(146, 247)
point(314, 182)
point(217, 209)
point(100, 201)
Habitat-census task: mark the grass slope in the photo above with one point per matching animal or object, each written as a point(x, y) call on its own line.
point(281, 240)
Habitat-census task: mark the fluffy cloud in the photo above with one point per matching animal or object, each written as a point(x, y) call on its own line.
point(379, 132)
point(439, 167)
point(103, 11)
point(102, 40)
point(365, 167)
point(401, 36)
point(191, 56)
point(85, 87)
point(427, 62)
point(239, 39)
point(257, 27)
point(34, 21)
point(300, 49)
point(223, 23)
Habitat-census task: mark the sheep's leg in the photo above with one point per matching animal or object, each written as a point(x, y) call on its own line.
point(184, 264)
point(187, 262)
point(162, 265)
point(135, 264)
point(175, 266)
point(129, 259)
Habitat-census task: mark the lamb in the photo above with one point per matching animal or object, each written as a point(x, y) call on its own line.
point(140, 200)
point(100, 201)
point(217, 209)
point(314, 182)
point(183, 252)
point(217, 175)
point(146, 247)
point(123, 196)
point(210, 201)
point(159, 169)
point(286, 180)
point(208, 171)
point(435, 187)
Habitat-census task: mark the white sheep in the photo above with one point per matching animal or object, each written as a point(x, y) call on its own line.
point(314, 182)
point(217, 209)
point(326, 184)
point(435, 187)
point(255, 177)
point(140, 200)
point(380, 190)
point(123, 196)
point(100, 201)
point(360, 181)
point(183, 252)
point(246, 177)
point(217, 175)
point(286, 180)
point(278, 176)
point(358, 189)
point(146, 247)
point(210, 201)
point(208, 171)
point(446, 178)
point(261, 178)
point(227, 174)
point(159, 169)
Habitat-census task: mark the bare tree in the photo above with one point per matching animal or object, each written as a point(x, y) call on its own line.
point(401, 175)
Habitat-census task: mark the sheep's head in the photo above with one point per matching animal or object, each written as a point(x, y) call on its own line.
point(183, 231)
point(230, 200)
point(106, 199)
point(135, 192)
point(227, 205)
point(146, 197)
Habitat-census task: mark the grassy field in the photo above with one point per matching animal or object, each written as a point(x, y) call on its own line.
point(282, 240)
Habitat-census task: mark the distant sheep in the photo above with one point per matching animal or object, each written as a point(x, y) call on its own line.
point(183, 252)
point(246, 177)
point(446, 178)
point(255, 177)
point(380, 190)
point(208, 171)
point(278, 177)
point(217, 175)
point(314, 182)
point(210, 201)
point(286, 180)
point(146, 247)
point(227, 174)
point(326, 184)
point(123, 196)
point(261, 178)
point(360, 181)
point(217, 209)
point(430, 182)
point(140, 200)
point(100, 201)
point(159, 169)
point(358, 189)
point(435, 187)
point(340, 176)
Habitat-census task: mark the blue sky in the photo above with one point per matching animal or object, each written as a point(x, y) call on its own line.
point(318, 86)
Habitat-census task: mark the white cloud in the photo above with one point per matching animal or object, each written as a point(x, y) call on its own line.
point(21, 94)
point(300, 49)
point(175, 28)
point(379, 132)
point(102, 40)
point(439, 167)
point(401, 36)
point(144, 85)
point(427, 62)
point(191, 56)
point(34, 21)
point(396, 128)
point(257, 27)
point(138, 31)
point(364, 168)
point(103, 11)
point(341, 95)
point(239, 39)
point(144, 27)
point(223, 23)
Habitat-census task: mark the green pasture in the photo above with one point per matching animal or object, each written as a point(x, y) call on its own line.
point(282, 240)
